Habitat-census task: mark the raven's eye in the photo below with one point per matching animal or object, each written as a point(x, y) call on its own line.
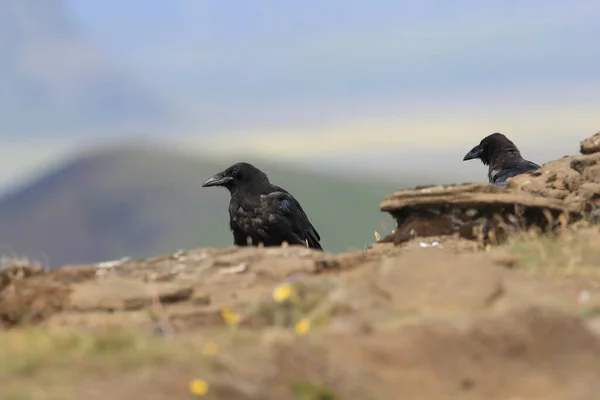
point(234, 173)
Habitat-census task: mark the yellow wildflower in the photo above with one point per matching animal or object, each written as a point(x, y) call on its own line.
point(210, 349)
point(302, 326)
point(231, 318)
point(283, 292)
point(198, 387)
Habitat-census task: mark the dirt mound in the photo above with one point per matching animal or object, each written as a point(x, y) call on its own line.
point(574, 180)
point(523, 353)
point(414, 323)
point(23, 297)
point(196, 285)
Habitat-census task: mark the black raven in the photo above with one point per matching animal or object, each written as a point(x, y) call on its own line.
point(260, 212)
point(502, 157)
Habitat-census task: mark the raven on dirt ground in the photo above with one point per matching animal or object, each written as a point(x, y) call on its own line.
point(260, 212)
point(502, 157)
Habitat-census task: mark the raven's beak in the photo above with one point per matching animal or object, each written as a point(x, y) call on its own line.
point(474, 153)
point(219, 179)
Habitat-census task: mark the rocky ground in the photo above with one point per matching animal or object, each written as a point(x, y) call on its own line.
point(480, 293)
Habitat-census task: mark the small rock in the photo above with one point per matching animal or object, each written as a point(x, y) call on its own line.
point(591, 144)
point(179, 254)
point(238, 269)
point(175, 295)
point(432, 244)
point(200, 298)
point(166, 277)
point(198, 257)
point(584, 297)
point(113, 263)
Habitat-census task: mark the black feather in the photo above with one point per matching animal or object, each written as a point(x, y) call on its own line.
point(261, 212)
point(502, 157)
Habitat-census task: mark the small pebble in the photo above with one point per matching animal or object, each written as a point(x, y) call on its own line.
point(584, 297)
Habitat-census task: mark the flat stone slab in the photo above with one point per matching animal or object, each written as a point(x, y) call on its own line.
point(470, 210)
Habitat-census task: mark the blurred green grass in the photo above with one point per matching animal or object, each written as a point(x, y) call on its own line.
point(572, 253)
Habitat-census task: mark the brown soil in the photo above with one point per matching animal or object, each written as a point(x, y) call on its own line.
point(395, 322)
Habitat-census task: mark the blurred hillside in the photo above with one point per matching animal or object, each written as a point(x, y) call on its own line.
point(141, 201)
point(57, 83)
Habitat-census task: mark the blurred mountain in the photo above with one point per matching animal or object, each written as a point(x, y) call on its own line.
point(54, 81)
point(141, 201)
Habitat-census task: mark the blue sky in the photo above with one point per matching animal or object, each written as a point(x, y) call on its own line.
point(227, 63)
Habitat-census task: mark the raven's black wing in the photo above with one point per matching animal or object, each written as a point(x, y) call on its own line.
point(533, 166)
point(501, 176)
point(286, 206)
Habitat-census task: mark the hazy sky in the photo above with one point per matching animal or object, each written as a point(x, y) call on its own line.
point(291, 66)
point(383, 81)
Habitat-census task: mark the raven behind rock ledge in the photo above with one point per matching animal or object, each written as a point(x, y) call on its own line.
point(503, 158)
point(260, 212)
